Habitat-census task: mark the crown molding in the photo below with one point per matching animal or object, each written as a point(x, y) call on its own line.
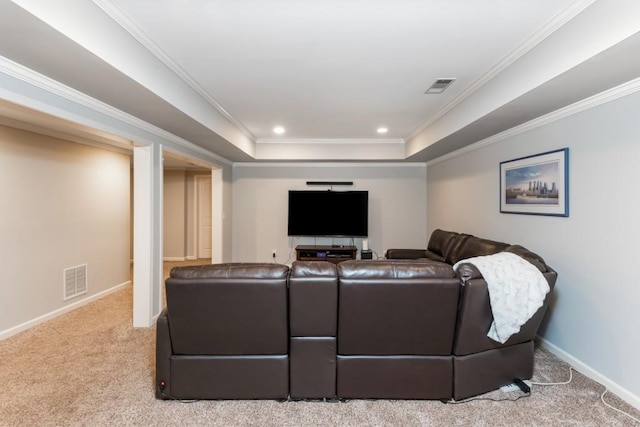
point(570, 110)
point(564, 16)
point(58, 89)
point(130, 27)
point(329, 164)
point(342, 141)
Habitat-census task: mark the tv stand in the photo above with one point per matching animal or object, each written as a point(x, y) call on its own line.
point(331, 253)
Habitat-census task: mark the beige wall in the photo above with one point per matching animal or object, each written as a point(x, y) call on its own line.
point(179, 214)
point(175, 219)
point(594, 316)
point(63, 204)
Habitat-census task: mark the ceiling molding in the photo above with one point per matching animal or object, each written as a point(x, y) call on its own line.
point(88, 140)
point(508, 76)
point(130, 27)
point(330, 164)
point(570, 110)
point(330, 141)
point(535, 39)
point(49, 85)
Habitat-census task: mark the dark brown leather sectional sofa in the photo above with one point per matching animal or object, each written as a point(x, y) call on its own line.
point(407, 327)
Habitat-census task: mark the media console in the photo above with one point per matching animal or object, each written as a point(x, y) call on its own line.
point(334, 254)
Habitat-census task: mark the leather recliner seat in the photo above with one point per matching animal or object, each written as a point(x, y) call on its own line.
point(224, 333)
point(402, 328)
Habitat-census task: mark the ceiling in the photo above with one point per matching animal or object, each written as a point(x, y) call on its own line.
point(222, 74)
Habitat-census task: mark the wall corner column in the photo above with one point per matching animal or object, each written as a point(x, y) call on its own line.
point(147, 234)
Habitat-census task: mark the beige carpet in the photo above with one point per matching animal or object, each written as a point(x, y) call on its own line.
point(89, 367)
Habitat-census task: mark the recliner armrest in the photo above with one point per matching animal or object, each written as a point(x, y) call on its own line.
point(163, 356)
point(475, 316)
point(313, 299)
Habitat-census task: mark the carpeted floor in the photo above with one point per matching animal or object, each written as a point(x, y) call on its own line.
point(90, 367)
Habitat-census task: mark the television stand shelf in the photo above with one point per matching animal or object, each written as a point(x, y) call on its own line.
point(331, 253)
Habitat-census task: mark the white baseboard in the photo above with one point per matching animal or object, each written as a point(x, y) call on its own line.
point(40, 319)
point(191, 257)
point(588, 371)
point(173, 258)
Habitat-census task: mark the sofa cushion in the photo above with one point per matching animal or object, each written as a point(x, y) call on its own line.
point(474, 246)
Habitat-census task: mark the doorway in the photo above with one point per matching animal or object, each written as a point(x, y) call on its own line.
point(203, 219)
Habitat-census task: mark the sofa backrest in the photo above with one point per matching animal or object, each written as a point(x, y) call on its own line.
point(396, 307)
point(440, 243)
point(467, 246)
point(456, 247)
point(406, 254)
point(228, 309)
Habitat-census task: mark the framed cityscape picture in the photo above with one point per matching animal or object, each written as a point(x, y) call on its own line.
point(536, 185)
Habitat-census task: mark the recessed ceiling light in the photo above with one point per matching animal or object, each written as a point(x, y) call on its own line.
point(278, 130)
point(383, 130)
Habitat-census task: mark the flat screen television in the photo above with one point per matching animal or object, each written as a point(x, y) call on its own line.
point(328, 213)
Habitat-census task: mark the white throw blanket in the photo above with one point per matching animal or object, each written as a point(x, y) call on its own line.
point(516, 291)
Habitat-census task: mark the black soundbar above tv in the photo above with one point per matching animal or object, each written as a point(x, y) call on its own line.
point(328, 213)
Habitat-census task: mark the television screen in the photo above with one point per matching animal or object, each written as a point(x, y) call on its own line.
point(328, 213)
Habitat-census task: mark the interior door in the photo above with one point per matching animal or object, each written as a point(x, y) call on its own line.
point(204, 216)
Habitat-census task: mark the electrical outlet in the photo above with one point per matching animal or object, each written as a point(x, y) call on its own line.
point(273, 253)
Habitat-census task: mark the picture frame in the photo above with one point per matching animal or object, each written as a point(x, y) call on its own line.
point(536, 184)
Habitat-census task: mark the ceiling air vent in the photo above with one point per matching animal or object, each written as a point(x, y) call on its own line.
point(440, 85)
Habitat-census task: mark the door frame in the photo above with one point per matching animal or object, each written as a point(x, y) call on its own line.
point(198, 182)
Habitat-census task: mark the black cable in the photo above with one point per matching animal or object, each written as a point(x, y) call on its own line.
point(471, 399)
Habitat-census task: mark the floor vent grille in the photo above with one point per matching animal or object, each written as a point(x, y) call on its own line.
point(75, 281)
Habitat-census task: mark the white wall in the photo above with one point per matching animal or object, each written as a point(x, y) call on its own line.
point(63, 204)
point(397, 206)
point(593, 320)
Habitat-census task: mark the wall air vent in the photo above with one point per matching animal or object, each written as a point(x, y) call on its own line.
point(75, 281)
point(439, 86)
